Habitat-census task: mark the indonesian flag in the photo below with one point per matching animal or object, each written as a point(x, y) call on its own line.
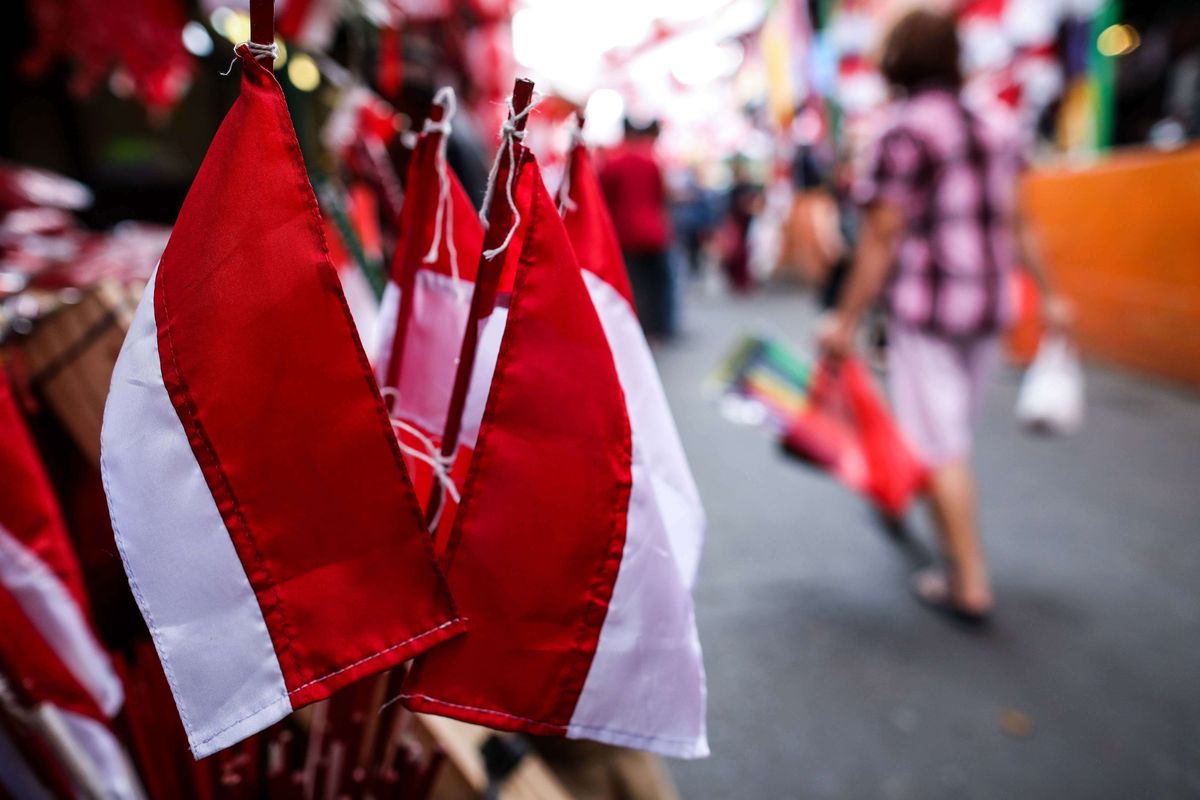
point(59, 709)
point(594, 241)
point(38, 563)
point(423, 315)
point(259, 499)
point(47, 644)
point(581, 624)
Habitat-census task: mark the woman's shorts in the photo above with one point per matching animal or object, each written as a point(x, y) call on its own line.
point(937, 386)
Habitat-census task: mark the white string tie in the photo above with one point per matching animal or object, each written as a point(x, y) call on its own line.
point(565, 203)
point(428, 454)
point(259, 51)
point(445, 98)
point(445, 209)
point(509, 135)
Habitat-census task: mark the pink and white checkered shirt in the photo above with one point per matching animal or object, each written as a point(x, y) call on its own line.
point(954, 173)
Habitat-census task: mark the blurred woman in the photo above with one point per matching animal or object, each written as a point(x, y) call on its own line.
point(941, 228)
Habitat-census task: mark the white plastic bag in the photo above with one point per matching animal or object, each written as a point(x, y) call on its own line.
point(764, 243)
point(1051, 397)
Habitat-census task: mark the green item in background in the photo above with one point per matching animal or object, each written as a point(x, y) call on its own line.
point(762, 381)
point(1103, 76)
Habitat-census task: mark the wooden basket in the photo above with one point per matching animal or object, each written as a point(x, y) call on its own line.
point(70, 355)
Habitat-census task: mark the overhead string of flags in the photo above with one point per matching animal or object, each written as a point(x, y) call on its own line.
point(501, 499)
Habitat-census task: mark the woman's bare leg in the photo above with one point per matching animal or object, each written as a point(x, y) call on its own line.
point(952, 497)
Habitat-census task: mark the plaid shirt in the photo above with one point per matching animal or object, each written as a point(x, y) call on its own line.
point(954, 175)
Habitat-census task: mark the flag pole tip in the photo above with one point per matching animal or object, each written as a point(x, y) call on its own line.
point(262, 21)
point(521, 97)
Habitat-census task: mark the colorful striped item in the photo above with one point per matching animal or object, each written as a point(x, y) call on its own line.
point(769, 379)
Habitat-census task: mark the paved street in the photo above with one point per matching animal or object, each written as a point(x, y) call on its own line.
point(827, 680)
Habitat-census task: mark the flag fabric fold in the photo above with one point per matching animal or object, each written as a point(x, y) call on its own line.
point(594, 240)
point(260, 502)
point(581, 622)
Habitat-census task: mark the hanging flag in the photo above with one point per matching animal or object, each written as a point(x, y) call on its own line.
point(785, 41)
point(38, 564)
point(311, 24)
point(48, 697)
point(134, 48)
point(594, 240)
point(425, 309)
point(259, 499)
point(581, 625)
point(49, 652)
point(48, 648)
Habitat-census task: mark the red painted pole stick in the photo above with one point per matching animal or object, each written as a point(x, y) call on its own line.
point(499, 217)
point(262, 26)
point(262, 21)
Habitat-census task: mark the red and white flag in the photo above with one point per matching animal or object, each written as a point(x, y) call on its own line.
point(581, 624)
point(61, 711)
point(260, 502)
point(309, 23)
point(38, 564)
point(594, 240)
point(424, 312)
point(48, 647)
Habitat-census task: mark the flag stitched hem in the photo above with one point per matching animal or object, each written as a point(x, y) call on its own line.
point(446, 630)
point(487, 716)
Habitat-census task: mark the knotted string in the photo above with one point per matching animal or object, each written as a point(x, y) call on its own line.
point(509, 135)
point(565, 203)
point(259, 51)
point(431, 455)
point(445, 209)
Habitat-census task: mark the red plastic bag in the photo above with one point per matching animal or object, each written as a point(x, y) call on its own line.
point(846, 429)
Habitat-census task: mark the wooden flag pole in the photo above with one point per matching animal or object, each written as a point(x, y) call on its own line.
point(262, 25)
point(499, 217)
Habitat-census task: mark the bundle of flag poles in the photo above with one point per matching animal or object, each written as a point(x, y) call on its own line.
point(480, 510)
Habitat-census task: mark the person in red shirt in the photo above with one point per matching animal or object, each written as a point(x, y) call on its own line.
point(637, 199)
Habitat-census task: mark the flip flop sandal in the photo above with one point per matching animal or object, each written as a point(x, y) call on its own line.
point(942, 601)
point(895, 527)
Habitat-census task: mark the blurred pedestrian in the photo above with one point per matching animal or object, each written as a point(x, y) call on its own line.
point(942, 229)
point(821, 226)
point(636, 193)
point(693, 215)
point(745, 201)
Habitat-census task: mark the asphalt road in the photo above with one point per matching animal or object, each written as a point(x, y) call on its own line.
point(827, 680)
